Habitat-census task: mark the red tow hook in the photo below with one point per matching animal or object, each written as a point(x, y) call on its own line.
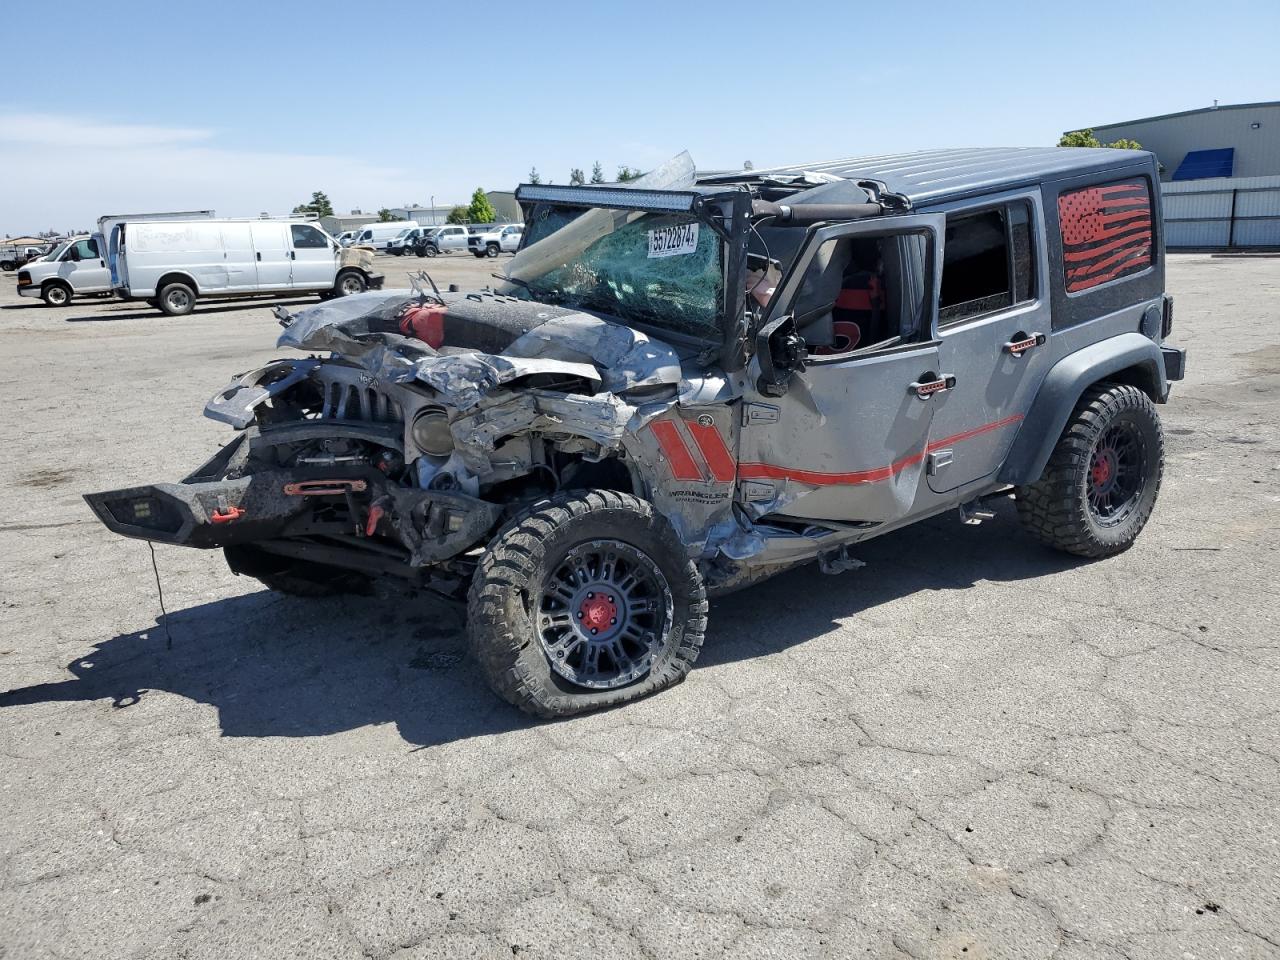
point(376, 513)
point(232, 514)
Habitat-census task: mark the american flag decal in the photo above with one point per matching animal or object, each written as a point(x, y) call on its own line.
point(1106, 232)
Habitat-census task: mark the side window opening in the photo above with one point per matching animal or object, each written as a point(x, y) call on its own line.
point(308, 238)
point(862, 293)
point(1106, 232)
point(987, 263)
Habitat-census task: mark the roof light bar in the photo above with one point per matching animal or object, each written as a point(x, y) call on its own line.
point(669, 201)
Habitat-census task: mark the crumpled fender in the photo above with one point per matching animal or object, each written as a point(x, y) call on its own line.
point(237, 402)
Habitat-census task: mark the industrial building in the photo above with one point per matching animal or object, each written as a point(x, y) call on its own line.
point(1220, 168)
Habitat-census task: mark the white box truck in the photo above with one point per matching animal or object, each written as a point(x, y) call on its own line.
point(172, 264)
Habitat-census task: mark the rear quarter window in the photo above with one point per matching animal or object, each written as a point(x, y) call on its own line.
point(1107, 233)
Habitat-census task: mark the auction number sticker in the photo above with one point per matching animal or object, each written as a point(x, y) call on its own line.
point(673, 241)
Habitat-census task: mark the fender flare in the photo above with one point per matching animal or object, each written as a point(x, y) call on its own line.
point(1062, 388)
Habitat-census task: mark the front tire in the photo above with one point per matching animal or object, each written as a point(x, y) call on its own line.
point(56, 294)
point(491, 250)
point(177, 299)
point(349, 283)
point(1101, 483)
point(586, 600)
point(431, 251)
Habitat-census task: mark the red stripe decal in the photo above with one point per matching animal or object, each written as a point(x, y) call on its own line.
point(769, 471)
point(717, 455)
point(683, 466)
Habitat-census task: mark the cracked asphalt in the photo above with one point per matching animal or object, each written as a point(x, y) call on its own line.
point(971, 748)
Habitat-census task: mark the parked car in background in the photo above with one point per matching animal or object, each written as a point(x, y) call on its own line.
point(450, 238)
point(425, 239)
point(407, 240)
point(347, 237)
point(171, 264)
point(76, 268)
point(503, 239)
point(380, 235)
point(13, 256)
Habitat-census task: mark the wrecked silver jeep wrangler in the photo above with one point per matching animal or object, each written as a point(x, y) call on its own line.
point(683, 386)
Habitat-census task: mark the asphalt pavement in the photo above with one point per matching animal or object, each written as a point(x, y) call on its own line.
point(971, 748)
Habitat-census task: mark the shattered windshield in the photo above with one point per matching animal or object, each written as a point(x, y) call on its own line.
point(662, 270)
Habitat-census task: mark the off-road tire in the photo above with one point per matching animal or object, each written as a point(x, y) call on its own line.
point(297, 578)
point(1056, 509)
point(56, 294)
point(171, 301)
point(430, 250)
point(522, 555)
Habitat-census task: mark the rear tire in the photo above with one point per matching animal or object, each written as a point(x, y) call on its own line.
point(1101, 483)
point(56, 294)
point(297, 578)
point(8, 266)
point(177, 299)
point(595, 561)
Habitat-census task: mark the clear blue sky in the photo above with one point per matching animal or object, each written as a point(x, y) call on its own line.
point(250, 106)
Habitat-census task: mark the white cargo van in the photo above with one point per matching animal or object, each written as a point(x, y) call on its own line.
point(75, 268)
point(380, 235)
point(171, 264)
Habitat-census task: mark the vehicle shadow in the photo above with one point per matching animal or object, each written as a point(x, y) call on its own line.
point(277, 666)
point(152, 313)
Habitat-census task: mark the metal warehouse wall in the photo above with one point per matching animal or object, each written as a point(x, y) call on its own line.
point(1222, 212)
point(1257, 152)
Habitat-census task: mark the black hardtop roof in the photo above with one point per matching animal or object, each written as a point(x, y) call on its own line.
point(928, 176)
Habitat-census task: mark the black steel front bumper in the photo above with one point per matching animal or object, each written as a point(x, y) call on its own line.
point(375, 280)
point(426, 526)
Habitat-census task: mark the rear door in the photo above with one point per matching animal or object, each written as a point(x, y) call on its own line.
point(239, 255)
point(271, 253)
point(314, 265)
point(848, 440)
point(993, 329)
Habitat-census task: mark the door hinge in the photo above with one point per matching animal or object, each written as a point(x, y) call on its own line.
point(938, 461)
point(755, 413)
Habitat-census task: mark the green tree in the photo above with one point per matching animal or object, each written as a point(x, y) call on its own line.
point(319, 205)
point(534, 176)
point(481, 210)
point(385, 215)
point(458, 215)
point(626, 174)
point(576, 177)
point(597, 173)
point(1085, 138)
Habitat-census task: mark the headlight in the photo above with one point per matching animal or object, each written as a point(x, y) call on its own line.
point(430, 433)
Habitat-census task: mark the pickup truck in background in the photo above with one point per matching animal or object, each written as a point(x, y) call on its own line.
point(499, 238)
point(13, 256)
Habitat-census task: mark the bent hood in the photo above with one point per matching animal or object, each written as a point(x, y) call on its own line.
point(465, 344)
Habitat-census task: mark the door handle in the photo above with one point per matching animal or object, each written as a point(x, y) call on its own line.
point(293, 254)
point(931, 383)
point(259, 254)
point(1022, 342)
